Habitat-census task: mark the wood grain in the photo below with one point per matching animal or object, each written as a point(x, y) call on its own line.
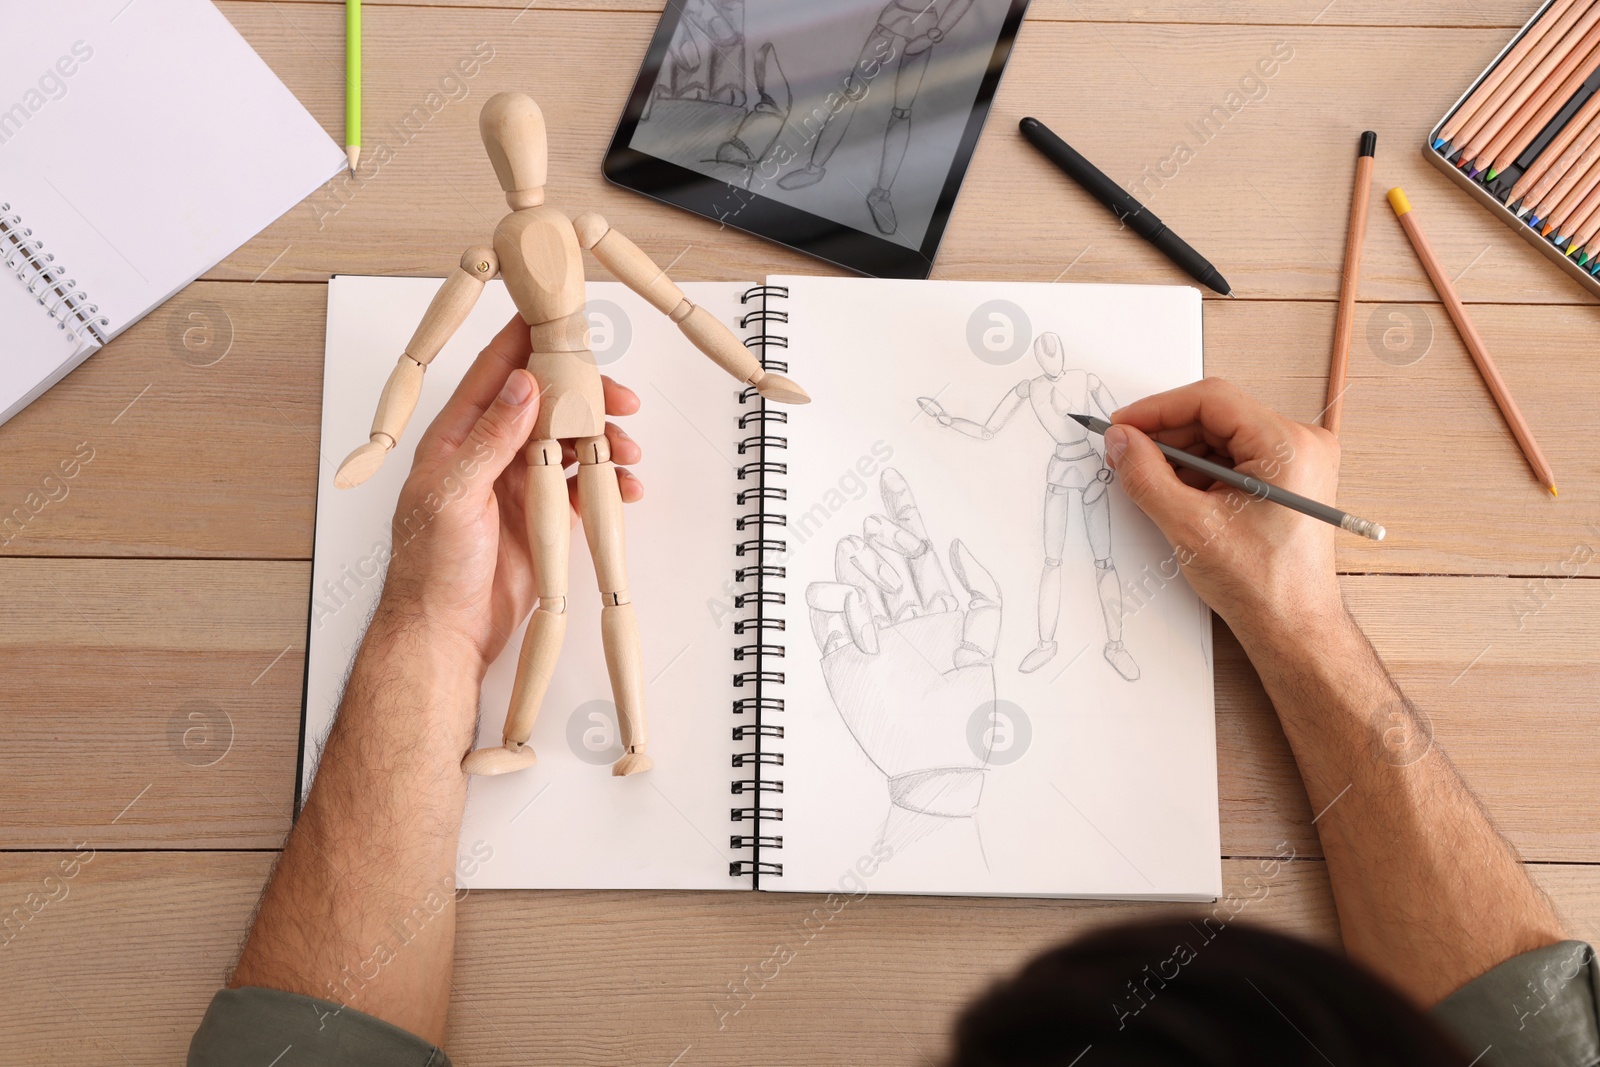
point(1250, 12)
point(126, 653)
point(79, 985)
point(150, 705)
point(181, 471)
point(1260, 197)
point(202, 422)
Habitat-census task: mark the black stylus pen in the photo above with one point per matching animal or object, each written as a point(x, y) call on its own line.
point(1138, 218)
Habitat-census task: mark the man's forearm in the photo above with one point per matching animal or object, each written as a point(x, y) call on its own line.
point(360, 908)
point(1428, 893)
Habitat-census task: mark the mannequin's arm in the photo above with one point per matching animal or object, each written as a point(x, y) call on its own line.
point(398, 400)
point(983, 431)
point(629, 265)
point(952, 15)
point(1101, 397)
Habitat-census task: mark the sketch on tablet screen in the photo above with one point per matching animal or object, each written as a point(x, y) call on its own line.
point(905, 36)
point(908, 666)
point(707, 103)
point(1076, 466)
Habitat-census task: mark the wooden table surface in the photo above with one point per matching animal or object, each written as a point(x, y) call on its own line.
point(172, 578)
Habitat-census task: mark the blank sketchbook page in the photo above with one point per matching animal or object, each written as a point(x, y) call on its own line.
point(565, 823)
point(141, 142)
point(1067, 779)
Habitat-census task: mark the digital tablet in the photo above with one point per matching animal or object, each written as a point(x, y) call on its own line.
point(841, 128)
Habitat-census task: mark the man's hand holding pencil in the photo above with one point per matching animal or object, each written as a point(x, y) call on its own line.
point(1261, 567)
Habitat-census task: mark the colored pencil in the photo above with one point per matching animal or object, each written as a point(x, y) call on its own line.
point(352, 82)
point(1502, 70)
point(1557, 204)
point(1504, 149)
point(1531, 94)
point(1525, 73)
point(1343, 318)
point(1470, 337)
point(1561, 213)
point(1569, 144)
point(1584, 221)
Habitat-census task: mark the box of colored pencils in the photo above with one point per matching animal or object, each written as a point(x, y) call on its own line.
point(1525, 138)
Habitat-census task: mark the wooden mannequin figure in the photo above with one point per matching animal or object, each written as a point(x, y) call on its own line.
point(538, 251)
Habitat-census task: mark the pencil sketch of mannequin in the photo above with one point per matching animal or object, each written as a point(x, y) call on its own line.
point(698, 104)
point(1075, 467)
point(908, 667)
point(706, 58)
point(905, 34)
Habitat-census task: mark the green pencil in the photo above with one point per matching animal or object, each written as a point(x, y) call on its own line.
point(352, 81)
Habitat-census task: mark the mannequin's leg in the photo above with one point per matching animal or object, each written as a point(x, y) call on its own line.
point(836, 123)
point(896, 137)
point(550, 537)
point(600, 506)
point(1097, 522)
point(1055, 539)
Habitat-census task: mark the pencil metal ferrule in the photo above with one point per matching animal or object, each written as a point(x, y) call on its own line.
point(1364, 527)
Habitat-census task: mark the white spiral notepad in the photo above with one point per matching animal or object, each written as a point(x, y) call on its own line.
point(911, 637)
point(140, 143)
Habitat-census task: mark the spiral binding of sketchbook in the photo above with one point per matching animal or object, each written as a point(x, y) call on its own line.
point(759, 542)
point(47, 280)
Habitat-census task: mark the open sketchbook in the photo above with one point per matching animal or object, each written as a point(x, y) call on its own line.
point(911, 637)
point(140, 143)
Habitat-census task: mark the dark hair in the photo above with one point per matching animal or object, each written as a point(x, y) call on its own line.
point(1174, 993)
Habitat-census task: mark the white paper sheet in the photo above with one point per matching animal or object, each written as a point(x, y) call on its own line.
point(1084, 783)
point(565, 823)
point(142, 142)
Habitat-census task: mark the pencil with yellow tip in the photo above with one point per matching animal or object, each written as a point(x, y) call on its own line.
point(1469, 337)
point(352, 82)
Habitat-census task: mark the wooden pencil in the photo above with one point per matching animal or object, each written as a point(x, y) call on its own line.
point(1558, 156)
point(1501, 71)
point(1584, 220)
point(352, 82)
point(1558, 219)
point(1470, 337)
point(1525, 73)
point(1355, 236)
point(1583, 236)
point(1556, 203)
point(1504, 149)
point(1531, 94)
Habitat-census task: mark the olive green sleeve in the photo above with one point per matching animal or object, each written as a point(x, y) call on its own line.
point(1539, 1009)
point(271, 1027)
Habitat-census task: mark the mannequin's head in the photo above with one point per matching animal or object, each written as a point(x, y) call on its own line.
point(1048, 350)
point(513, 133)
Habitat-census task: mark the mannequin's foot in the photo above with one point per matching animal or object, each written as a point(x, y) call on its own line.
point(632, 762)
point(1039, 657)
point(1118, 657)
point(500, 760)
point(882, 211)
point(360, 465)
point(810, 174)
point(735, 153)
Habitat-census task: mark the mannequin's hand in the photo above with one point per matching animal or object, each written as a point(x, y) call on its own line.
point(906, 664)
point(461, 572)
point(933, 409)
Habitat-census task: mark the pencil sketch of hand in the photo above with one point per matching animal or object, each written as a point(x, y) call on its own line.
point(907, 666)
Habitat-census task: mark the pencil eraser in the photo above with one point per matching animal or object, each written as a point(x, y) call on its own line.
point(1369, 143)
point(1398, 201)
